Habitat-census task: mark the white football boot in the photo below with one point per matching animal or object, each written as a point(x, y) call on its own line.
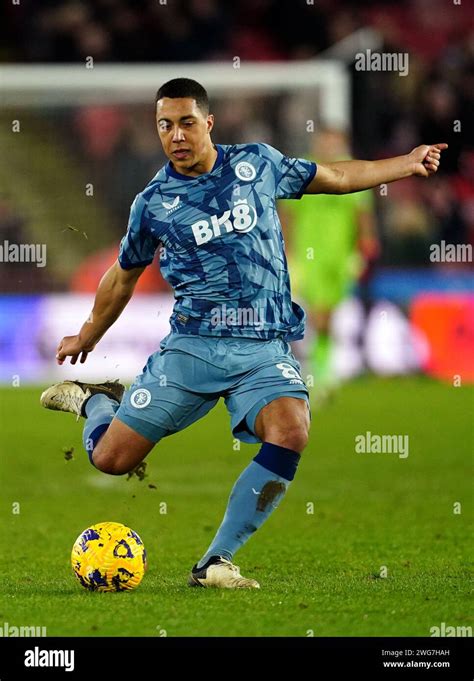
point(220, 573)
point(71, 396)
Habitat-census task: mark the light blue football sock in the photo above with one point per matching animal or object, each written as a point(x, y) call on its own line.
point(257, 492)
point(100, 410)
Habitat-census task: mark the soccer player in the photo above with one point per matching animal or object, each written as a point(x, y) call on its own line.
point(212, 208)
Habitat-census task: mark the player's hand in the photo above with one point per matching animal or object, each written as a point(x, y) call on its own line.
point(73, 347)
point(425, 159)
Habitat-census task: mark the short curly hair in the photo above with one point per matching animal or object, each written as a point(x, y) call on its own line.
point(185, 87)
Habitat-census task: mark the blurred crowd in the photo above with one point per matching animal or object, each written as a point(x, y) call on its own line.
point(390, 114)
point(190, 30)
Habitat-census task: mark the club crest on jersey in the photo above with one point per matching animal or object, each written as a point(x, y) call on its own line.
point(245, 171)
point(140, 398)
point(242, 218)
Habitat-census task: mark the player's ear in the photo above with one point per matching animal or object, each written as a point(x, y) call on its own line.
point(210, 122)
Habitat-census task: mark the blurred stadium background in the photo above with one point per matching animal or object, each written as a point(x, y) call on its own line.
point(77, 144)
point(277, 72)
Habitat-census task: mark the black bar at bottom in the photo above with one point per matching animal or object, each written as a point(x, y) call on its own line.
point(133, 658)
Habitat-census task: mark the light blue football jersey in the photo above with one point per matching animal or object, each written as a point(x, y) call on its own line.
point(221, 243)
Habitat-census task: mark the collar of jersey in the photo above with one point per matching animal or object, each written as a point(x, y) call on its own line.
point(179, 176)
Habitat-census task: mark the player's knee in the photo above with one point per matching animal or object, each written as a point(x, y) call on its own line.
point(112, 462)
point(296, 438)
point(291, 436)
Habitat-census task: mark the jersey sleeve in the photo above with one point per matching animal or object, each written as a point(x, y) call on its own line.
point(292, 175)
point(138, 246)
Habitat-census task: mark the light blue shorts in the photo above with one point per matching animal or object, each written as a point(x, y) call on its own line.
point(184, 380)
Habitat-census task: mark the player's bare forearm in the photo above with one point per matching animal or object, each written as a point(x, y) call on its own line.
point(356, 176)
point(115, 290)
point(111, 298)
point(346, 177)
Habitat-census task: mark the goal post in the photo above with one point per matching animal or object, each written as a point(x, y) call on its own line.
point(77, 85)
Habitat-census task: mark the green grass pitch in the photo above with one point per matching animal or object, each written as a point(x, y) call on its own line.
point(320, 572)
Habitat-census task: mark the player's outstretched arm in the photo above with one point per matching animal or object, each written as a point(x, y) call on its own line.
point(345, 177)
point(114, 291)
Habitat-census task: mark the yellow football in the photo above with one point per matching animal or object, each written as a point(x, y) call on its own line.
point(109, 557)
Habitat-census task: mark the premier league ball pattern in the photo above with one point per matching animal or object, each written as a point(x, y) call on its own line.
point(109, 557)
